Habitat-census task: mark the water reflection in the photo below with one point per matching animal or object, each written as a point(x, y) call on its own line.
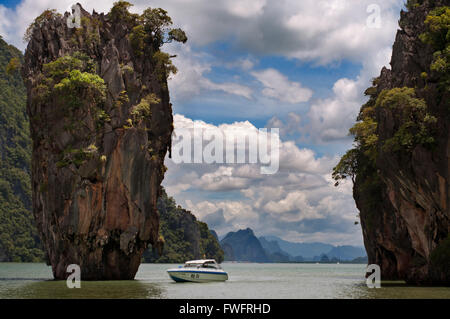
point(399, 289)
point(51, 289)
point(396, 290)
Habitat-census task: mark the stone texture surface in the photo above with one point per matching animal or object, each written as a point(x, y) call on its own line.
point(413, 214)
point(101, 215)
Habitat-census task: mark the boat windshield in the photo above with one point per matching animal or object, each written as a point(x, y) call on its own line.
point(210, 264)
point(207, 264)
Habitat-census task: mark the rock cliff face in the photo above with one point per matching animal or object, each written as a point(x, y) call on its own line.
point(403, 197)
point(243, 245)
point(101, 125)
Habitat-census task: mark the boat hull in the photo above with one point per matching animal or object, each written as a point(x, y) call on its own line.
point(196, 276)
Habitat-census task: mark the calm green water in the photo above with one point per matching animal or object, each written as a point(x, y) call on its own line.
point(287, 281)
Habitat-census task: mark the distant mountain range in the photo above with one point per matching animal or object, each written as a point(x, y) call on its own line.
point(243, 245)
point(306, 250)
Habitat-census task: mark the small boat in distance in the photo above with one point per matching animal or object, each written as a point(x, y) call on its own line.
point(204, 270)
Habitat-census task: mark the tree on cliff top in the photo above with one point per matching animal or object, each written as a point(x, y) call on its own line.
point(152, 28)
point(44, 16)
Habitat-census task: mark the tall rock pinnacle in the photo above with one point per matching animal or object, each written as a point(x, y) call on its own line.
point(400, 165)
point(101, 124)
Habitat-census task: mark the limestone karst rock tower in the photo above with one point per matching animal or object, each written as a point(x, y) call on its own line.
point(101, 124)
point(401, 162)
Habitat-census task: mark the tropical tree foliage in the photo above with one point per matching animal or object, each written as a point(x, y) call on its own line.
point(47, 15)
point(416, 128)
point(438, 37)
point(150, 31)
point(18, 236)
point(185, 238)
point(74, 78)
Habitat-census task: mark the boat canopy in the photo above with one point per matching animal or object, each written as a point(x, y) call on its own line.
point(203, 263)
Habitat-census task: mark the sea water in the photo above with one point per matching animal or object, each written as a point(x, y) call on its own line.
point(246, 280)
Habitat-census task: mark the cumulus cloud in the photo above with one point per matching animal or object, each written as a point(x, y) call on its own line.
point(321, 31)
point(237, 214)
point(292, 126)
point(299, 198)
point(330, 119)
point(277, 86)
point(303, 159)
point(244, 64)
point(296, 203)
point(215, 220)
point(245, 9)
point(191, 78)
point(221, 180)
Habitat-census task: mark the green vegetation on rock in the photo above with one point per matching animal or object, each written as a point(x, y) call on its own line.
point(47, 15)
point(416, 129)
point(143, 109)
point(150, 31)
point(163, 65)
point(89, 31)
point(185, 238)
point(73, 79)
point(119, 12)
point(417, 123)
point(13, 66)
point(18, 236)
point(438, 37)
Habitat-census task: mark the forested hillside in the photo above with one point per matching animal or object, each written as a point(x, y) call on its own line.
point(185, 238)
point(18, 236)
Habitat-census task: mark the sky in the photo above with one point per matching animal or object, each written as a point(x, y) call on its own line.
point(300, 66)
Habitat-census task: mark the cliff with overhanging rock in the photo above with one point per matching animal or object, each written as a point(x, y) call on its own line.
point(101, 124)
point(400, 166)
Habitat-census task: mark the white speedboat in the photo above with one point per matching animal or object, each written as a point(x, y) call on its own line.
point(204, 270)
